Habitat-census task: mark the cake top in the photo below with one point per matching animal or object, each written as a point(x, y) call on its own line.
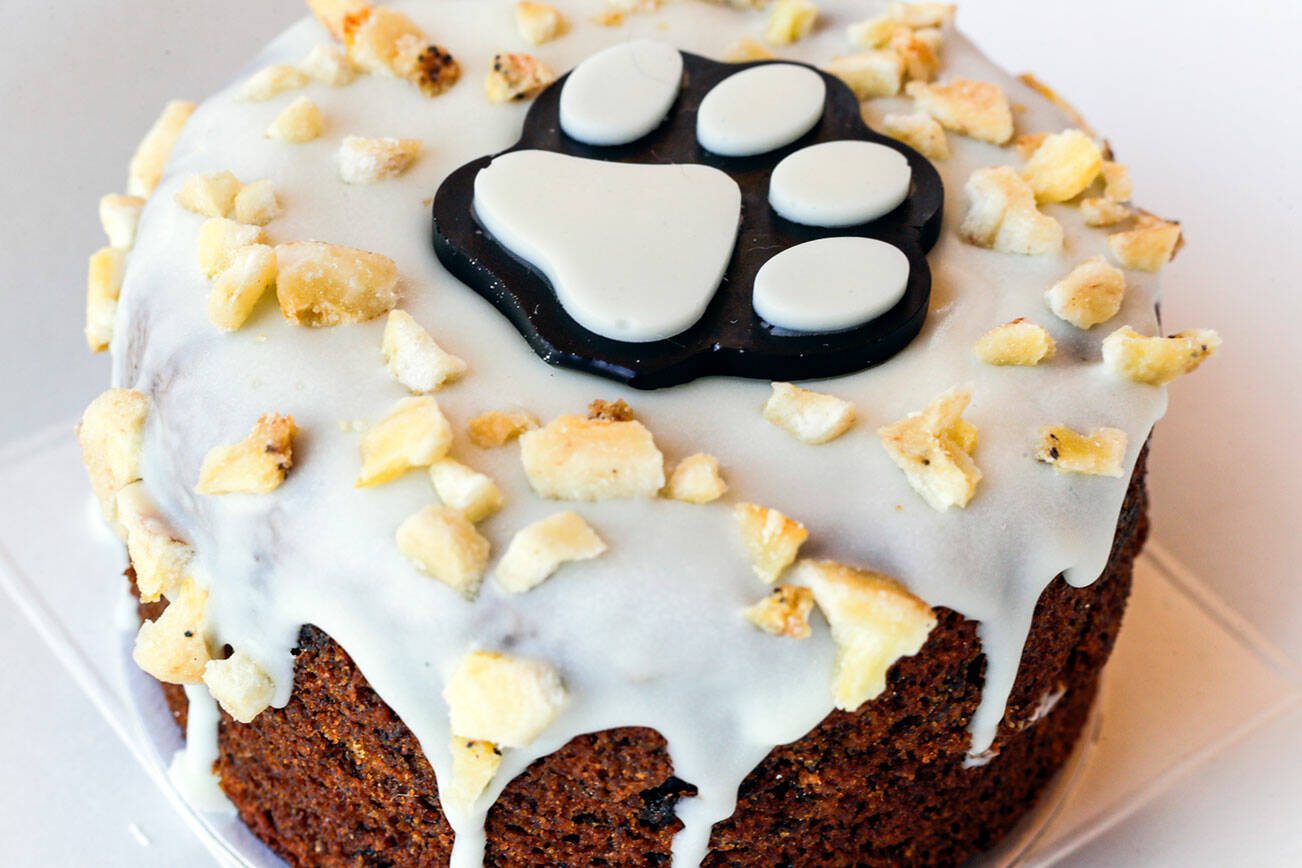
point(516, 553)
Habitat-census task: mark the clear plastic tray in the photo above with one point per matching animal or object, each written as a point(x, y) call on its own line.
point(1188, 677)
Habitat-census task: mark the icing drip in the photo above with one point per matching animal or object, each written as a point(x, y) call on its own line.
point(191, 771)
point(830, 284)
point(760, 109)
point(839, 184)
point(619, 95)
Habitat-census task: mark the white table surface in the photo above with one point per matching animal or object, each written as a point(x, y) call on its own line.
point(1200, 98)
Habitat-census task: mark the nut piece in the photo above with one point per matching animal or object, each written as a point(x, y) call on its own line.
point(272, 80)
point(1103, 212)
point(538, 550)
point(1089, 295)
point(1062, 166)
point(1020, 342)
point(934, 448)
point(103, 286)
point(970, 108)
point(747, 49)
point(875, 621)
point(875, 32)
point(444, 545)
point(150, 158)
point(212, 194)
point(327, 64)
point(783, 612)
point(810, 417)
point(468, 490)
point(610, 411)
point(111, 434)
point(430, 67)
point(869, 74)
point(322, 284)
point(1098, 453)
point(790, 21)
point(1002, 215)
point(174, 648)
point(331, 13)
point(495, 428)
point(255, 465)
point(1117, 185)
point(365, 161)
point(220, 239)
point(256, 204)
point(920, 132)
point(538, 22)
point(922, 14)
point(580, 458)
point(1026, 144)
point(119, 216)
point(240, 685)
point(516, 77)
point(503, 699)
point(237, 290)
point(300, 122)
point(1148, 246)
point(917, 50)
point(158, 556)
point(413, 357)
point(771, 539)
point(474, 765)
point(1157, 360)
point(696, 479)
point(414, 434)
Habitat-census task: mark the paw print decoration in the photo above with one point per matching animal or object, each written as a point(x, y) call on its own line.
point(666, 217)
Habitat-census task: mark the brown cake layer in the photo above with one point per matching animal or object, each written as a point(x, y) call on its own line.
point(336, 779)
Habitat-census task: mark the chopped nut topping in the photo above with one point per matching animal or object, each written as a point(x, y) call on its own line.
point(255, 465)
point(1019, 342)
point(1098, 453)
point(256, 204)
point(332, 13)
point(414, 434)
point(1089, 295)
point(784, 612)
point(430, 67)
point(414, 358)
point(212, 194)
point(771, 539)
point(970, 108)
point(1157, 360)
point(385, 42)
point(444, 545)
point(238, 289)
point(150, 158)
point(790, 21)
point(365, 161)
point(239, 685)
point(696, 479)
point(746, 50)
point(870, 73)
point(516, 77)
point(300, 122)
point(327, 64)
point(272, 80)
point(103, 286)
point(111, 434)
point(538, 22)
point(874, 32)
point(1148, 246)
point(540, 549)
point(474, 765)
point(934, 448)
point(158, 556)
point(578, 458)
point(922, 14)
point(503, 699)
point(220, 239)
point(328, 284)
point(875, 621)
point(610, 18)
point(1028, 143)
point(920, 132)
point(174, 647)
point(610, 411)
point(810, 417)
point(495, 428)
point(468, 490)
point(119, 216)
point(1062, 166)
point(917, 51)
point(1002, 215)
point(1103, 212)
point(1117, 185)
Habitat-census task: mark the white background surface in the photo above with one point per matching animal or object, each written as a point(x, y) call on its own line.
point(1200, 98)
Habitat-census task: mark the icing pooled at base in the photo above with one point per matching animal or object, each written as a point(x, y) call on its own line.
point(760, 109)
point(831, 284)
point(837, 184)
point(619, 95)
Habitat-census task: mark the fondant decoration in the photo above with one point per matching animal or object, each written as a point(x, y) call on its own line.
point(628, 294)
point(831, 284)
point(634, 251)
point(839, 184)
point(620, 94)
point(760, 109)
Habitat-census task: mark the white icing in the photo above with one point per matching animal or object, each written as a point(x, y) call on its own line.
point(760, 109)
point(830, 284)
point(191, 770)
point(634, 251)
point(835, 184)
point(619, 95)
point(648, 634)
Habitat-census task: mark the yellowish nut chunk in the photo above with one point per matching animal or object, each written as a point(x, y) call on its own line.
point(327, 64)
point(272, 80)
point(745, 50)
point(1157, 360)
point(696, 479)
point(220, 239)
point(1148, 246)
point(255, 465)
point(875, 32)
point(211, 194)
point(413, 357)
point(581, 458)
point(103, 286)
point(503, 699)
point(1062, 166)
point(119, 216)
point(365, 161)
point(1002, 215)
point(1103, 212)
point(1020, 342)
point(540, 549)
point(430, 67)
point(474, 765)
point(1028, 143)
point(237, 290)
point(871, 73)
point(150, 158)
point(538, 22)
point(790, 21)
point(1117, 185)
point(414, 434)
point(239, 685)
point(917, 52)
point(922, 14)
point(495, 427)
point(111, 434)
point(810, 417)
point(322, 284)
point(298, 123)
point(442, 543)
point(920, 132)
point(875, 621)
point(970, 108)
point(174, 647)
point(158, 555)
point(934, 449)
point(386, 42)
point(516, 77)
point(784, 612)
point(1089, 295)
point(771, 539)
point(465, 489)
point(331, 13)
point(1098, 453)
point(256, 204)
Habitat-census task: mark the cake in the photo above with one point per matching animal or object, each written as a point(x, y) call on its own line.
point(627, 433)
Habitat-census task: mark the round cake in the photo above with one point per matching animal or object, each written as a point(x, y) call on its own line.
point(627, 433)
